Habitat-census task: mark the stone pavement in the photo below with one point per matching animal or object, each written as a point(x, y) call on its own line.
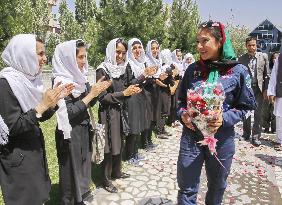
point(255, 178)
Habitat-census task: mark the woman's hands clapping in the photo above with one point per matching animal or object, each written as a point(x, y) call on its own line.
point(51, 96)
point(131, 90)
point(96, 89)
point(99, 87)
point(149, 71)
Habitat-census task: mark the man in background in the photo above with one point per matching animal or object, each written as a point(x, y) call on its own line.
point(258, 67)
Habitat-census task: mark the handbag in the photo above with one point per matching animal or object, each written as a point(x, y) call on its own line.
point(98, 142)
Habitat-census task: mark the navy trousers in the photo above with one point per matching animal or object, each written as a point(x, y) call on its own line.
point(190, 161)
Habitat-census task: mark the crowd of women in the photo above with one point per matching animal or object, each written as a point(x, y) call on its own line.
point(130, 84)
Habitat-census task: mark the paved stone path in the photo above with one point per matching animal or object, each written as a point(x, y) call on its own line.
point(253, 178)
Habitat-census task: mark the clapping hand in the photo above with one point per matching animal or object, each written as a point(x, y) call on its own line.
point(149, 71)
point(100, 86)
point(131, 90)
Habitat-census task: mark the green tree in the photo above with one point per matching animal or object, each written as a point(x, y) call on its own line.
point(52, 40)
point(184, 21)
point(70, 29)
point(84, 10)
point(111, 18)
point(238, 34)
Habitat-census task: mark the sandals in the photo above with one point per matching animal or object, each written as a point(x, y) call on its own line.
point(123, 175)
point(111, 188)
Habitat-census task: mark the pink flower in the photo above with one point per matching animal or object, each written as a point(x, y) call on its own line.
point(210, 142)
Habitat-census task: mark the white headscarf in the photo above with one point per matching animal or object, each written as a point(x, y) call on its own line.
point(166, 59)
point(110, 65)
point(151, 60)
point(137, 65)
point(66, 70)
point(177, 62)
point(23, 73)
point(187, 55)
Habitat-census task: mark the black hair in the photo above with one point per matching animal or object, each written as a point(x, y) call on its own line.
point(80, 44)
point(250, 38)
point(136, 42)
point(213, 27)
point(39, 40)
point(271, 63)
point(177, 50)
point(154, 41)
point(120, 40)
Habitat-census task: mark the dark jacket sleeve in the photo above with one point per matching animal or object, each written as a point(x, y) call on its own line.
point(244, 100)
point(109, 96)
point(48, 114)
point(266, 72)
point(130, 78)
point(76, 109)
point(182, 96)
point(17, 121)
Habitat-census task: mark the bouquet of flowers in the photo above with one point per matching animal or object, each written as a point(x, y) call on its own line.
point(205, 103)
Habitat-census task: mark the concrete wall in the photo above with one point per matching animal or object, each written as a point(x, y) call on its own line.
point(47, 76)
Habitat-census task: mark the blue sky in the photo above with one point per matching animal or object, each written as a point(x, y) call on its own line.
point(242, 12)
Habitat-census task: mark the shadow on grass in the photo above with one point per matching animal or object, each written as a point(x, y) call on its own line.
point(54, 195)
point(97, 174)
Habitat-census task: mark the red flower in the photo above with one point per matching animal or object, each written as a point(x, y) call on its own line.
point(205, 112)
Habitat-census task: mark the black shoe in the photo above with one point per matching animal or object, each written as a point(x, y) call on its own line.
point(161, 136)
point(246, 137)
point(166, 133)
point(266, 130)
point(122, 176)
point(256, 142)
point(152, 146)
point(110, 188)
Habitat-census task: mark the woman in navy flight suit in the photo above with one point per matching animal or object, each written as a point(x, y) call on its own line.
point(216, 55)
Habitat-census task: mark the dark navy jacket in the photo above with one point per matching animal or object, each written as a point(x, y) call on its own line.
point(239, 99)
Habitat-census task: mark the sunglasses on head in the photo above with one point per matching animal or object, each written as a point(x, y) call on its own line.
point(209, 24)
point(80, 43)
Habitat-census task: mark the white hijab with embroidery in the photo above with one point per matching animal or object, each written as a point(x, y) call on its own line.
point(66, 70)
point(110, 65)
point(23, 75)
point(151, 60)
point(137, 65)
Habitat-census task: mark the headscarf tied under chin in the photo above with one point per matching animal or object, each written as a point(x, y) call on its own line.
point(66, 70)
point(110, 65)
point(23, 75)
point(227, 59)
point(137, 65)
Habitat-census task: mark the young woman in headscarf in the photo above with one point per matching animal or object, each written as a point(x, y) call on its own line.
point(139, 106)
point(165, 92)
point(73, 138)
point(24, 175)
point(177, 63)
point(153, 58)
point(217, 65)
point(187, 60)
point(111, 104)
